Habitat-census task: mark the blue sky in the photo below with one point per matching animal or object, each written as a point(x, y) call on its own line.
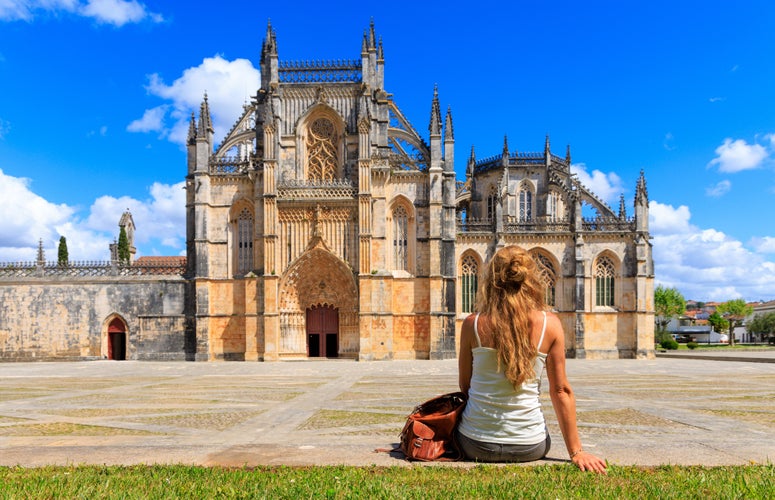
point(95, 96)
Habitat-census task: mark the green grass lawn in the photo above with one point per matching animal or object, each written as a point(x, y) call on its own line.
point(421, 482)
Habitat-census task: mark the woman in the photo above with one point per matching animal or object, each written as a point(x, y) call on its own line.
point(503, 350)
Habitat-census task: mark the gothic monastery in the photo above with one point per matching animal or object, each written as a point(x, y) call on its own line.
point(326, 225)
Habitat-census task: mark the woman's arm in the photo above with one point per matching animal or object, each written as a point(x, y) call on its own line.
point(465, 358)
point(563, 400)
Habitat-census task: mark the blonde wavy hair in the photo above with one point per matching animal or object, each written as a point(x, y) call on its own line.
point(510, 290)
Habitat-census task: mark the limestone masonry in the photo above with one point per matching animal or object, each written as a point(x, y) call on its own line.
point(325, 225)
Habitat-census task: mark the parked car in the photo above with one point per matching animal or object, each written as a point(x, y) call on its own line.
point(683, 338)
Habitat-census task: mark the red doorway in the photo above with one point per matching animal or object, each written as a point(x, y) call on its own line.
point(117, 340)
point(322, 332)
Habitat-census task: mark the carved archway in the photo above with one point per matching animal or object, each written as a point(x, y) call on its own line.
point(318, 278)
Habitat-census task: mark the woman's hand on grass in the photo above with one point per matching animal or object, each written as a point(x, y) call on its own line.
point(589, 462)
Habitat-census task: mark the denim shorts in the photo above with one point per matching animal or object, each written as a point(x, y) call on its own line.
point(482, 451)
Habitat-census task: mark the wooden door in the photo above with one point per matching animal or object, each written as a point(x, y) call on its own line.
point(322, 332)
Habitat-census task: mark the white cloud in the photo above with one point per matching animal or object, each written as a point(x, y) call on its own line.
point(114, 12)
point(4, 127)
point(706, 264)
point(666, 219)
point(736, 156)
point(228, 85)
point(162, 217)
point(152, 121)
point(26, 218)
point(118, 12)
point(13, 10)
point(717, 99)
point(764, 245)
point(720, 189)
point(607, 187)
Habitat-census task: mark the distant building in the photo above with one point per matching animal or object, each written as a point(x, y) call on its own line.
point(325, 225)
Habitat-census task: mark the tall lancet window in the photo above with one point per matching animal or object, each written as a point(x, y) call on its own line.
point(469, 269)
point(525, 204)
point(492, 200)
point(400, 239)
point(321, 150)
point(244, 242)
point(604, 282)
point(548, 277)
point(553, 206)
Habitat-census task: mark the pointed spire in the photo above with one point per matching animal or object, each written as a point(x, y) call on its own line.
point(269, 48)
point(449, 130)
point(547, 146)
point(41, 253)
point(471, 163)
point(622, 208)
point(435, 126)
point(567, 155)
point(365, 44)
point(641, 192)
point(205, 124)
point(372, 37)
point(505, 146)
point(192, 129)
point(380, 51)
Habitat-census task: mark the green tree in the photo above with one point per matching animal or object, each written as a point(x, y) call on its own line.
point(762, 323)
point(669, 303)
point(123, 247)
point(735, 311)
point(718, 322)
point(62, 257)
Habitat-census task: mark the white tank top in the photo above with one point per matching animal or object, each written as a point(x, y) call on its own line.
point(496, 412)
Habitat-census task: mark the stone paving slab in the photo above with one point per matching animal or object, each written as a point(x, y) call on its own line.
point(632, 412)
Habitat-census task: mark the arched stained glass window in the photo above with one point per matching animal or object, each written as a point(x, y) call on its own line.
point(400, 239)
point(548, 277)
point(604, 282)
point(469, 270)
point(244, 242)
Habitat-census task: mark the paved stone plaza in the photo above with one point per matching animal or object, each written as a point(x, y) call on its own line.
point(661, 411)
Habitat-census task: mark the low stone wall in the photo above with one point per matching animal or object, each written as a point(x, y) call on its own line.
point(66, 318)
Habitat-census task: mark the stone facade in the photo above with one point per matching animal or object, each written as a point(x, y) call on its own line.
point(49, 318)
point(324, 224)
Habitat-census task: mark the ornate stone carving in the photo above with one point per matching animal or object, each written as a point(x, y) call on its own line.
point(321, 150)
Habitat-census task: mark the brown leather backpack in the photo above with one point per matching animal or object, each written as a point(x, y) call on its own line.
point(429, 431)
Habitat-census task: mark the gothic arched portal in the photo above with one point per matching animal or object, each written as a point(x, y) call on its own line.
point(319, 287)
point(117, 339)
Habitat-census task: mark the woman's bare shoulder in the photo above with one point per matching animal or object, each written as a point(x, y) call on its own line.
point(553, 323)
